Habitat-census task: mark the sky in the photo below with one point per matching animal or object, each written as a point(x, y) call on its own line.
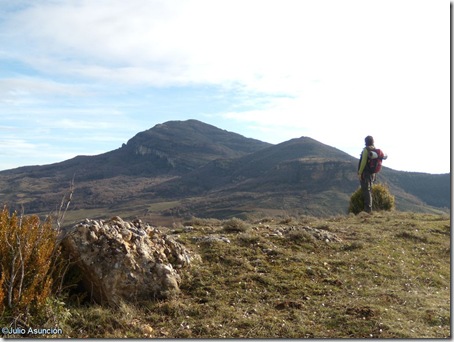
point(82, 77)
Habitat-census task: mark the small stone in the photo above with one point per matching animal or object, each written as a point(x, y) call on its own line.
point(146, 329)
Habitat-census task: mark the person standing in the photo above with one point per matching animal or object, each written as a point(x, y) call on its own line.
point(365, 175)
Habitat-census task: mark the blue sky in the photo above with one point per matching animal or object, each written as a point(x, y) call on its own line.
point(83, 77)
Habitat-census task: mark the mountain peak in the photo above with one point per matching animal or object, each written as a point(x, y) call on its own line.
point(182, 146)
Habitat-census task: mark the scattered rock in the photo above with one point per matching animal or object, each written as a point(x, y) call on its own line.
point(210, 239)
point(122, 260)
point(318, 234)
point(147, 330)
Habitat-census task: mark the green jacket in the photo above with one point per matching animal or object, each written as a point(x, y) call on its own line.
point(364, 157)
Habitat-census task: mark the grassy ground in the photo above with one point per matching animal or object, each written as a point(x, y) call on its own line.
point(385, 275)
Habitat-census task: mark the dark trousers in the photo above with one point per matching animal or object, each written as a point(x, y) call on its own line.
point(366, 185)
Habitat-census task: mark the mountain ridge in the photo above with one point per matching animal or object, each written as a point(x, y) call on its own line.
point(191, 168)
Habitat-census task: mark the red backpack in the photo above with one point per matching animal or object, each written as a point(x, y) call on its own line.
point(374, 160)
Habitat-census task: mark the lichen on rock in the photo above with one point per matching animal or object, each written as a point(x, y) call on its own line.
point(121, 260)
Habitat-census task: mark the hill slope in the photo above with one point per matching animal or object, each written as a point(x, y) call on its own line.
point(173, 147)
point(380, 276)
point(189, 168)
point(299, 176)
point(163, 152)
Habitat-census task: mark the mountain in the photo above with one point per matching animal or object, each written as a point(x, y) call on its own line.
point(172, 148)
point(275, 167)
point(298, 176)
point(189, 168)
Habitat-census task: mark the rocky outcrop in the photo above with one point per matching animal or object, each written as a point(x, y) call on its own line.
point(122, 260)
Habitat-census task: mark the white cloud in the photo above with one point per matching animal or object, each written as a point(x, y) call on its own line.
point(193, 41)
point(332, 70)
point(266, 46)
point(28, 90)
point(15, 146)
point(20, 152)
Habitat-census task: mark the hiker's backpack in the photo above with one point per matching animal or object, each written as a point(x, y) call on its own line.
point(374, 160)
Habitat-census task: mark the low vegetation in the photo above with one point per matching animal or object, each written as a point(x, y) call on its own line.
point(385, 275)
point(382, 199)
point(30, 268)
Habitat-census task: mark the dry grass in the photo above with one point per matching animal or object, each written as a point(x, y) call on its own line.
point(389, 277)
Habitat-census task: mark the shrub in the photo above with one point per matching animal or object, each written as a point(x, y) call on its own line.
point(27, 254)
point(382, 199)
point(300, 236)
point(235, 225)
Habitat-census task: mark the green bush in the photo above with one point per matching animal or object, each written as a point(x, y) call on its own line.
point(382, 199)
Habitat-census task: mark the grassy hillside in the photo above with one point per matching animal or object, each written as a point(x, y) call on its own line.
point(385, 275)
